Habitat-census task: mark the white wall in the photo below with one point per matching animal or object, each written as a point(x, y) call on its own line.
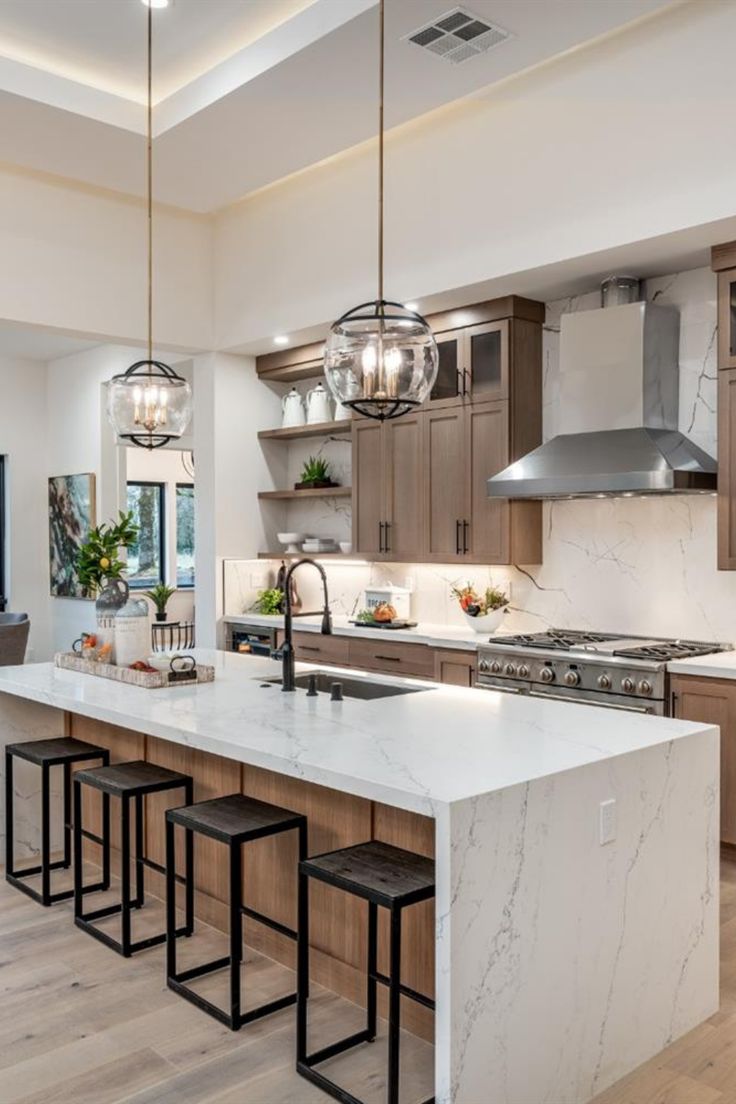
point(23, 441)
point(165, 465)
point(232, 405)
point(79, 263)
point(617, 143)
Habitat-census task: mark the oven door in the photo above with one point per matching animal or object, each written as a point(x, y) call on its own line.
point(563, 693)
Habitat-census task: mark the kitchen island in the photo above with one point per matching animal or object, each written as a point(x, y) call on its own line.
point(560, 962)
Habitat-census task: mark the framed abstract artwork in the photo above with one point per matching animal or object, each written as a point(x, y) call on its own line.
point(72, 513)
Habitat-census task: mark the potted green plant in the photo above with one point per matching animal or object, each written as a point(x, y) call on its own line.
point(98, 559)
point(160, 595)
point(270, 602)
point(315, 473)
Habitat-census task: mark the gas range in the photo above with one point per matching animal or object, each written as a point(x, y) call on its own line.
point(610, 669)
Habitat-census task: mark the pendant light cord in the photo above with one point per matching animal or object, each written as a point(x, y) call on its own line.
point(149, 182)
point(380, 150)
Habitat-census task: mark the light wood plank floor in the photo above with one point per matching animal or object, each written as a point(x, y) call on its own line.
point(81, 1025)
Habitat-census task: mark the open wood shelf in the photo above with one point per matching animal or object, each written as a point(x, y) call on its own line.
point(310, 492)
point(313, 555)
point(317, 429)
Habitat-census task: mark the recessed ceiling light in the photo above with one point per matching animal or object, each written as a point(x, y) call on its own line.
point(412, 306)
point(281, 340)
point(155, 3)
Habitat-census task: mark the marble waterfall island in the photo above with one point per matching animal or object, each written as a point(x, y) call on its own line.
point(560, 962)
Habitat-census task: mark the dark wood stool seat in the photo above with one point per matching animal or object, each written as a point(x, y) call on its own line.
point(131, 783)
point(60, 751)
point(233, 820)
point(387, 877)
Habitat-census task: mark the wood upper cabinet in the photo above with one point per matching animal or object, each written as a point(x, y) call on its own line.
point(388, 473)
point(403, 466)
point(727, 319)
point(487, 448)
point(713, 701)
point(727, 470)
point(368, 486)
point(473, 365)
point(445, 487)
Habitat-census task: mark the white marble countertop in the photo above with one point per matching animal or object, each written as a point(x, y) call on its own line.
point(439, 636)
point(418, 751)
point(718, 665)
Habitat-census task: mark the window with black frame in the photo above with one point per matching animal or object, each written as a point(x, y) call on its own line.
point(185, 535)
point(147, 557)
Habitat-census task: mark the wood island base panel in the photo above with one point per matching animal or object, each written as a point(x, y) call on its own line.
point(560, 961)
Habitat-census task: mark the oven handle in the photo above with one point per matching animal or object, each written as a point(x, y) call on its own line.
point(576, 701)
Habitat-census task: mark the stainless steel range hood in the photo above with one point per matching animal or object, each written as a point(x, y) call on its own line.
point(619, 385)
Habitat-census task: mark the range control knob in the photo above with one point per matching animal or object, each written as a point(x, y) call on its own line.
point(483, 665)
point(604, 681)
point(628, 685)
point(547, 674)
point(496, 667)
point(572, 678)
point(645, 687)
point(523, 671)
point(510, 669)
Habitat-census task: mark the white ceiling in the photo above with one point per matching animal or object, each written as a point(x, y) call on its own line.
point(249, 91)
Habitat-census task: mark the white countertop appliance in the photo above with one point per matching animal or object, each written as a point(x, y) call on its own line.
point(610, 669)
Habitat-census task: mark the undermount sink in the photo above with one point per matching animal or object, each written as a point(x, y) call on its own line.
point(351, 687)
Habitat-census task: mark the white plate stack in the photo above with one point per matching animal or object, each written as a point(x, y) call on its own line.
point(315, 545)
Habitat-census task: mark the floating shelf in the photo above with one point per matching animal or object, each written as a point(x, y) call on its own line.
point(317, 429)
point(310, 492)
point(313, 555)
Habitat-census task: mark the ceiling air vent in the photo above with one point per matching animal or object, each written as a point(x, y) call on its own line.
point(458, 35)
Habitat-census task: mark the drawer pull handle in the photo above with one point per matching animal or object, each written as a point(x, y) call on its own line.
point(309, 648)
point(389, 659)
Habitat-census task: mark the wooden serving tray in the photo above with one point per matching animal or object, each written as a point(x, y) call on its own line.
point(148, 680)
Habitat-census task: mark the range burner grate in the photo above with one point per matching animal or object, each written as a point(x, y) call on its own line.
point(667, 650)
point(562, 639)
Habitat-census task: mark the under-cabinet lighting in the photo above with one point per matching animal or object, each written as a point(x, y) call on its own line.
point(280, 339)
point(156, 3)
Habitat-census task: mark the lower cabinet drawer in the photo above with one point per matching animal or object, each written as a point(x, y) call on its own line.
point(316, 648)
point(392, 658)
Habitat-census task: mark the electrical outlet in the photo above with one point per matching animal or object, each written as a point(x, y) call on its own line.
point(607, 821)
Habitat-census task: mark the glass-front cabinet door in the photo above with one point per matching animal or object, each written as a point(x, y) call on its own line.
point(727, 319)
point(487, 370)
point(448, 387)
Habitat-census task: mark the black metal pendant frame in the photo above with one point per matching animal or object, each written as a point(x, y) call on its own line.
point(380, 410)
point(142, 370)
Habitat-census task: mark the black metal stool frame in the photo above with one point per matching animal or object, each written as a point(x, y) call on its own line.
point(235, 1018)
point(305, 1062)
point(15, 876)
point(125, 946)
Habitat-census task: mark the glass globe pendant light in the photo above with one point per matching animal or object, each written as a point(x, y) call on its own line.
point(150, 404)
point(381, 358)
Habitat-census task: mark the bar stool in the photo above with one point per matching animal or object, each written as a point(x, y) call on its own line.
point(382, 875)
point(131, 782)
point(232, 820)
point(62, 751)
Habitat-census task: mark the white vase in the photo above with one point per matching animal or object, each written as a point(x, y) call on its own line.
point(486, 623)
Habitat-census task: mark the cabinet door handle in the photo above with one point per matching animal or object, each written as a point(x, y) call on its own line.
point(458, 549)
point(673, 704)
point(466, 527)
point(466, 378)
point(460, 372)
point(386, 531)
point(380, 536)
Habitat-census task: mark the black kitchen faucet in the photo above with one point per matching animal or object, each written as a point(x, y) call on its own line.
point(286, 652)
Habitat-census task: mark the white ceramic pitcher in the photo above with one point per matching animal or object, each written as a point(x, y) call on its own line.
point(319, 408)
point(292, 409)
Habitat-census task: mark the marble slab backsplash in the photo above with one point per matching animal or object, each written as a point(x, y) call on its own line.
point(638, 565)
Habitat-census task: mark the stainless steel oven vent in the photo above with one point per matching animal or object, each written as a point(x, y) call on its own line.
point(458, 35)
